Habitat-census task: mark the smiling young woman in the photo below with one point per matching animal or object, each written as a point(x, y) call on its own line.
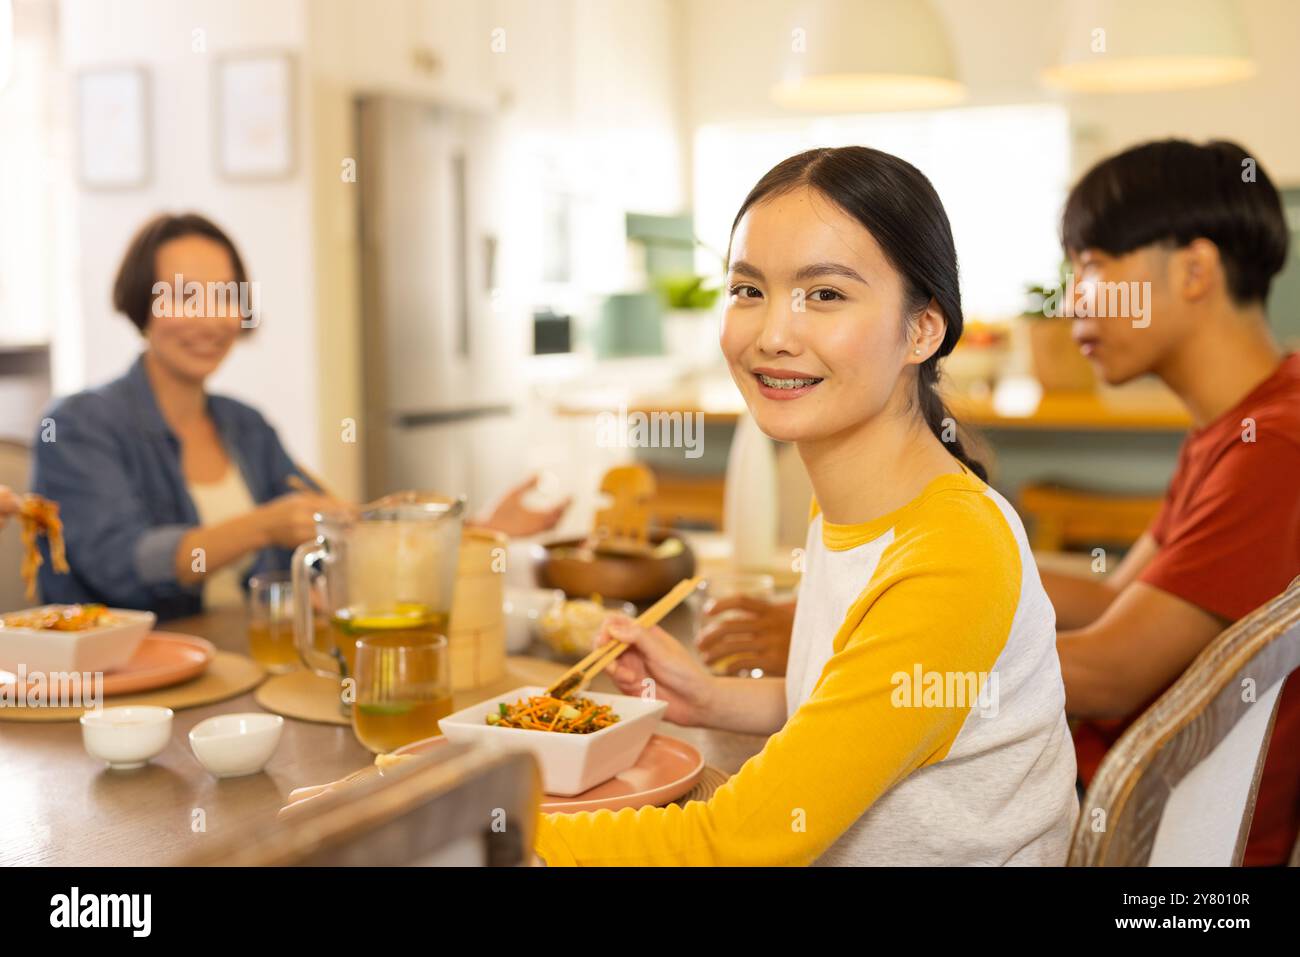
point(843, 299)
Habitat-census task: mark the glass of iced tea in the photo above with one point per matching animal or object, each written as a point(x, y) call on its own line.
point(270, 622)
point(403, 687)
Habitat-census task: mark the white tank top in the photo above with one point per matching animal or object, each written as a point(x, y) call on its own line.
point(218, 502)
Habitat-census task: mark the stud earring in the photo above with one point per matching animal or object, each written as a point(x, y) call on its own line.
point(916, 351)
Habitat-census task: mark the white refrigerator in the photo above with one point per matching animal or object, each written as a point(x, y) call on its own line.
point(443, 356)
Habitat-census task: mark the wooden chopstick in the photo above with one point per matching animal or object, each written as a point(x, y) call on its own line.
point(596, 662)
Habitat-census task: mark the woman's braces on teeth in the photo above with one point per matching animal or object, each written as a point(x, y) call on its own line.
point(772, 383)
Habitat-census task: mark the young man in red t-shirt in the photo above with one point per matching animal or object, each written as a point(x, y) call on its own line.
point(1205, 227)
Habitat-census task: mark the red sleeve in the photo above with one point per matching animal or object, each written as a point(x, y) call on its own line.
point(1236, 544)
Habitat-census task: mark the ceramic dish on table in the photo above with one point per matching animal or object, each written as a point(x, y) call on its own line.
point(570, 763)
point(67, 638)
point(569, 627)
point(581, 572)
point(666, 770)
point(232, 745)
point(162, 659)
point(128, 737)
point(523, 609)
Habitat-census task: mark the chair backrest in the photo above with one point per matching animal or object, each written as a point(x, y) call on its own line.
point(15, 466)
point(1178, 788)
point(455, 806)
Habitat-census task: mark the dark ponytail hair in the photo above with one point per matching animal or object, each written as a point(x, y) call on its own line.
point(894, 201)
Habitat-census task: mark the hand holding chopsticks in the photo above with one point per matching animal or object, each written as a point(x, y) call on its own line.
point(580, 675)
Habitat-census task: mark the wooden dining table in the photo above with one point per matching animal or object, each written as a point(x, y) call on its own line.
point(59, 806)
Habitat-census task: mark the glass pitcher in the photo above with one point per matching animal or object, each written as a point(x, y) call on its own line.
point(391, 567)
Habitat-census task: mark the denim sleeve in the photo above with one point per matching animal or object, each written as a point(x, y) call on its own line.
point(113, 548)
point(281, 466)
point(273, 467)
point(274, 460)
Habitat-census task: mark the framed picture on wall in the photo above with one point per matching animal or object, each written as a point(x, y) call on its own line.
point(113, 128)
point(255, 122)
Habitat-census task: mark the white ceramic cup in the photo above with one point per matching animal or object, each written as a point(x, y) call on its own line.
point(126, 737)
point(231, 745)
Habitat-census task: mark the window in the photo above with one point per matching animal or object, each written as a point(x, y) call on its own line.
point(1002, 173)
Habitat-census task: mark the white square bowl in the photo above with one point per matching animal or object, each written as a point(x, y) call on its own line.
point(95, 649)
point(571, 763)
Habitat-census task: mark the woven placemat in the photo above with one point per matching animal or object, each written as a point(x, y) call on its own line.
point(228, 675)
point(304, 695)
point(710, 780)
point(307, 696)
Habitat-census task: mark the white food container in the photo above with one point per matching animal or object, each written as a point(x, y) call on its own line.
point(570, 763)
point(94, 649)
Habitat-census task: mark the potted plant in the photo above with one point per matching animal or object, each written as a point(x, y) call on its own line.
point(1058, 364)
point(689, 301)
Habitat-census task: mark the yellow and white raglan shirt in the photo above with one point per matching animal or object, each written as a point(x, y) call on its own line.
point(926, 720)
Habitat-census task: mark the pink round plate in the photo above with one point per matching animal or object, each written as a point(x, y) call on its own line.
point(163, 659)
point(666, 769)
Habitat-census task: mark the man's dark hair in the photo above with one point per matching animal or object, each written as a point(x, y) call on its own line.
point(1173, 191)
point(133, 294)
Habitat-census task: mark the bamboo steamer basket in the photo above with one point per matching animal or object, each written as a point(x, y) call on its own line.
point(476, 640)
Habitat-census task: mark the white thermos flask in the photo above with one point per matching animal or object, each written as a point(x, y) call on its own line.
point(749, 497)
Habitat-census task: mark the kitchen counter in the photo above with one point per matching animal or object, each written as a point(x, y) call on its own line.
point(1014, 404)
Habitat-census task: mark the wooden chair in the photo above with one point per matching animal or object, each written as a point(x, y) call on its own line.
point(1179, 786)
point(1062, 516)
point(457, 806)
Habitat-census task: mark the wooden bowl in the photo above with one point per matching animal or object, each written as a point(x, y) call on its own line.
point(627, 578)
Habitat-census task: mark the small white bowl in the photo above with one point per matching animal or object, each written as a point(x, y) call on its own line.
point(523, 608)
point(94, 649)
point(231, 745)
point(126, 737)
point(570, 763)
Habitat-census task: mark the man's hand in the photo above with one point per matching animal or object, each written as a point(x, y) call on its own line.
point(747, 633)
point(515, 519)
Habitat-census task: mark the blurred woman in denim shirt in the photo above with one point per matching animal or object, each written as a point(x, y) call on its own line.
point(172, 497)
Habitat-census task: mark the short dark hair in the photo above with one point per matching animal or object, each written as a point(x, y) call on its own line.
point(133, 293)
point(1176, 191)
